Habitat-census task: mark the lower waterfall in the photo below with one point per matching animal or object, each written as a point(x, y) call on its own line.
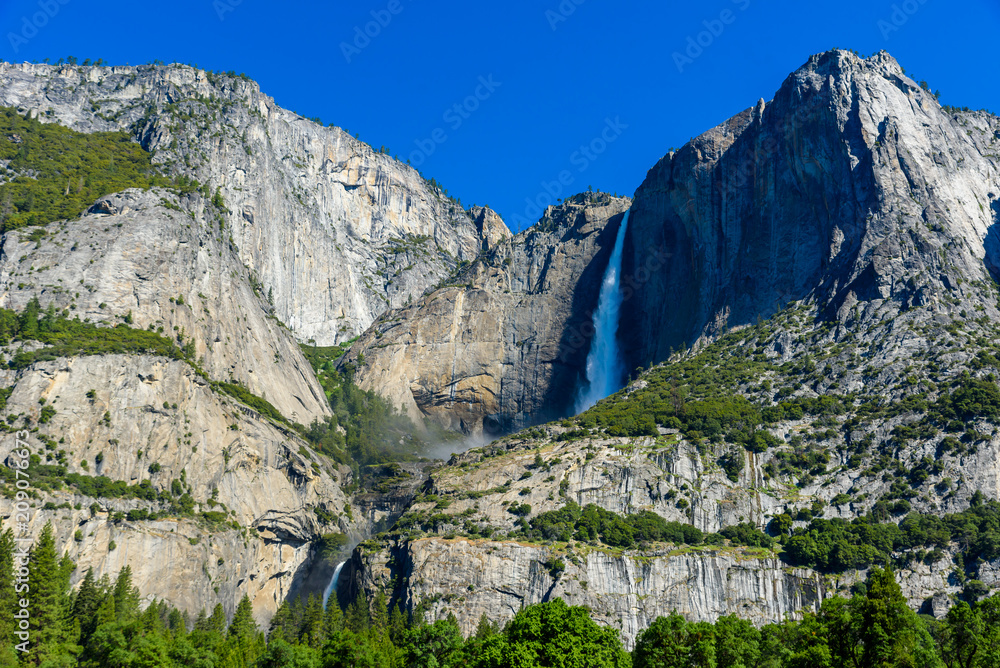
point(332, 587)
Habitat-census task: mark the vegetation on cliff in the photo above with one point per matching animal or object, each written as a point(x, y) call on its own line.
point(65, 337)
point(593, 524)
point(365, 429)
point(54, 173)
point(837, 545)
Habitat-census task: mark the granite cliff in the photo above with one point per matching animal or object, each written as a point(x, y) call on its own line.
point(334, 231)
point(852, 187)
point(808, 288)
point(830, 257)
point(296, 232)
point(502, 345)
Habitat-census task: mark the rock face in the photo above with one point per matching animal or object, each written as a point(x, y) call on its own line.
point(151, 421)
point(161, 262)
point(846, 189)
point(295, 224)
point(503, 345)
point(852, 194)
point(438, 555)
point(335, 232)
point(625, 591)
point(170, 269)
point(490, 227)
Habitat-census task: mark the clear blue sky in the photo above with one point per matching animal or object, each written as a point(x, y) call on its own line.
point(561, 74)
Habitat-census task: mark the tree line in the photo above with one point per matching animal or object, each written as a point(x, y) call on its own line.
point(102, 624)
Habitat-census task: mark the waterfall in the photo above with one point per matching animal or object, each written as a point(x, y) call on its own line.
point(605, 368)
point(332, 587)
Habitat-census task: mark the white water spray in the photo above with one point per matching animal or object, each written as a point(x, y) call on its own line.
point(605, 368)
point(332, 587)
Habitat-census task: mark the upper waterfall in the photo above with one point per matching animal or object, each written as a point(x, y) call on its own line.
point(605, 367)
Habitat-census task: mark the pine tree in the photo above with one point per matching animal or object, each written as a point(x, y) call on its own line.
point(314, 624)
point(126, 596)
point(66, 568)
point(217, 622)
point(890, 633)
point(88, 598)
point(357, 616)
point(334, 616)
point(280, 623)
point(85, 605)
point(162, 610)
point(149, 620)
point(176, 623)
point(380, 615)
point(243, 625)
point(245, 643)
point(105, 613)
point(485, 628)
point(49, 600)
point(29, 319)
point(298, 613)
point(8, 600)
point(397, 624)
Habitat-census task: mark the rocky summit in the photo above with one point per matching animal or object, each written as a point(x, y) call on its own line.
point(253, 357)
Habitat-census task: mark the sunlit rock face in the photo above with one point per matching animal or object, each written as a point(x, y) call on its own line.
point(335, 232)
point(504, 344)
point(844, 188)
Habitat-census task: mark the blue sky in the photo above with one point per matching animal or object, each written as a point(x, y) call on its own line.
point(534, 81)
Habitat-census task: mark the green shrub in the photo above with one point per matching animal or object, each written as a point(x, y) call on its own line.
point(971, 398)
point(521, 510)
point(250, 399)
point(747, 534)
point(732, 464)
point(597, 525)
point(837, 545)
point(68, 338)
point(46, 414)
point(68, 170)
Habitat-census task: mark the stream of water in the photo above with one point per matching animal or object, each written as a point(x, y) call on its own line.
point(605, 367)
point(332, 587)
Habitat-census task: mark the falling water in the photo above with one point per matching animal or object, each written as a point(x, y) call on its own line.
point(605, 369)
point(332, 587)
